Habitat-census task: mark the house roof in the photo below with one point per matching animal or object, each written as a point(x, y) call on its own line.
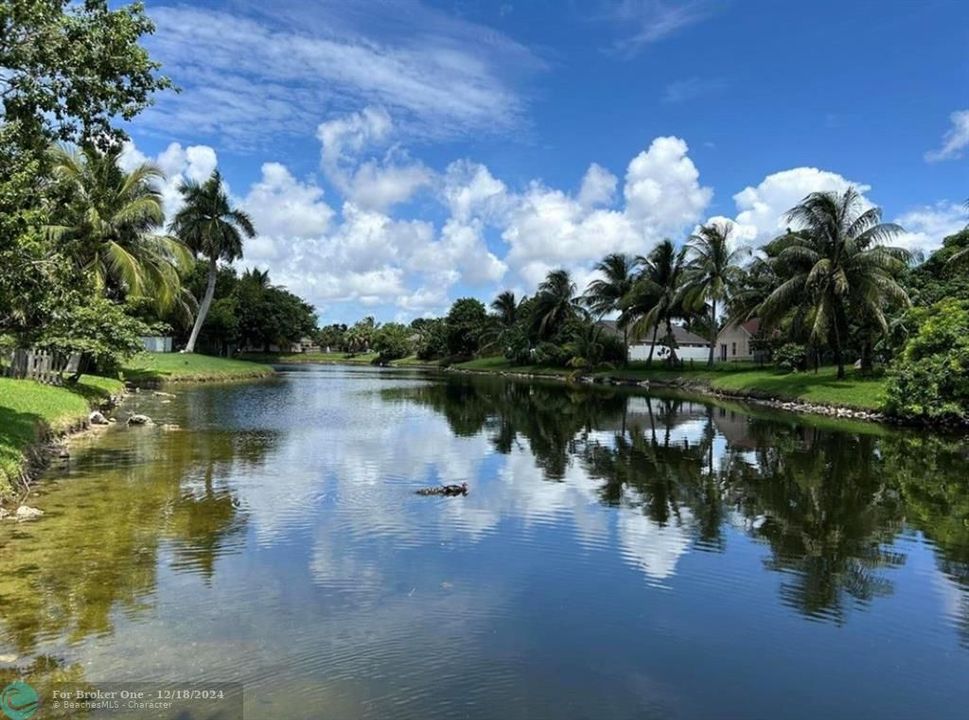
point(682, 335)
point(751, 327)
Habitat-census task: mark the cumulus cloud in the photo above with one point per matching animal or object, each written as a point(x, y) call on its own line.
point(761, 208)
point(195, 163)
point(281, 205)
point(927, 226)
point(376, 184)
point(955, 140)
point(598, 187)
point(663, 191)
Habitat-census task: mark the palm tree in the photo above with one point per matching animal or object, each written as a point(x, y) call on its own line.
point(210, 227)
point(834, 266)
point(713, 272)
point(656, 296)
point(506, 307)
point(555, 303)
point(108, 226)
point(606, 294)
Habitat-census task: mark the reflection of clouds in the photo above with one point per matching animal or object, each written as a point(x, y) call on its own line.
point(654, 548)
point(356, 469)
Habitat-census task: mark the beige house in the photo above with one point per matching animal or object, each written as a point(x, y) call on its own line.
point(734, 341)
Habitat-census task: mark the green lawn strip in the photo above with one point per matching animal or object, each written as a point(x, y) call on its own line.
point(823, 387)
point(855, 390)
point(188, 367)
point(30, 410)
point(310, 357)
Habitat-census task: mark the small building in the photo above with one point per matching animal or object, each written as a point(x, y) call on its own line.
point(734, 343)
point(690, 346)
point(157, 343)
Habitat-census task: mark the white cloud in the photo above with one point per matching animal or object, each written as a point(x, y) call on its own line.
point(955, 140)
point(372, 184)
point(469, 189)
point(662, 189)
point(196, 163)
point(926, 227)
point(648, 21)
point(598, 187)
point(252, 74)
point(761, 209)
point(280, 205)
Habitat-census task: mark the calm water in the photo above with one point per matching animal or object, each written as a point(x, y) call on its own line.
point(618, 556)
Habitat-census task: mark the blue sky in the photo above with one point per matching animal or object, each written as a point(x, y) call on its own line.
point(397, 155)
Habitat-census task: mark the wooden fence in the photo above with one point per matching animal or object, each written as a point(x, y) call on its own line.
point(41, 365)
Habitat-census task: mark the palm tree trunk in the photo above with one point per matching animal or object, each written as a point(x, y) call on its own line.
point(671, 340)
point(625, 345)
point(713, 331)
point(838, 357)
point(204, 307)
point(652, 344)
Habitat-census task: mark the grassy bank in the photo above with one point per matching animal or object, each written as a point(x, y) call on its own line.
point(823, 387)
point(29, 412)
point(150, 368)
point(333, 359)
point(311, 358)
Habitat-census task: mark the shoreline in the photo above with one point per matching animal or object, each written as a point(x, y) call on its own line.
point(705, 389)
point(37, 455)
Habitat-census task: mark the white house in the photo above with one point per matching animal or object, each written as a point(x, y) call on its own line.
point(690, 346)
point(734, 341)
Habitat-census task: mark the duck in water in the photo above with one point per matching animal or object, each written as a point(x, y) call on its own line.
point(461, 489)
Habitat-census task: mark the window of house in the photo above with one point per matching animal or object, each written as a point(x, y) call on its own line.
point(733, 350)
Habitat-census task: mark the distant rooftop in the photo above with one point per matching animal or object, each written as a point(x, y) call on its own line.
point(683, 336)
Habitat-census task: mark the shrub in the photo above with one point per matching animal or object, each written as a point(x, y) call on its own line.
point(101, 330)
point(930, 378)
point(790, 357)
point(392, 342)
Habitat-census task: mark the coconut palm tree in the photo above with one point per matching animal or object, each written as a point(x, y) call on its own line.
point(713, 272)
point(555, 303)
point(211, 228)
point(606, 294)
point(506, 307)
point(657, 295)
point(836, 265)
point(108, 226)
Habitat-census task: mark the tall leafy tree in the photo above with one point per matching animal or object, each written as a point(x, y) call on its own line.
point(211, 228)
point(554, 304)
point(714, 271)
point(834, 265)
point(657, 295)
point(108, 225)
point(71, 68)
point(606, 294)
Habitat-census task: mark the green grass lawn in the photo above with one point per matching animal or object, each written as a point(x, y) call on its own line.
point(854, 391)
point(29, 410)
point(324, 358)
point(188, 367)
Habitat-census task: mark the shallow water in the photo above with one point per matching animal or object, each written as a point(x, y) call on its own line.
point(618, 556)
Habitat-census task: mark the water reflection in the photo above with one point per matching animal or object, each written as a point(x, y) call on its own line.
point(828, 503)
point(615, 553)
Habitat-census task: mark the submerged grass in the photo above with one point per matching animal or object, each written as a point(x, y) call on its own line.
point(29, 411)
